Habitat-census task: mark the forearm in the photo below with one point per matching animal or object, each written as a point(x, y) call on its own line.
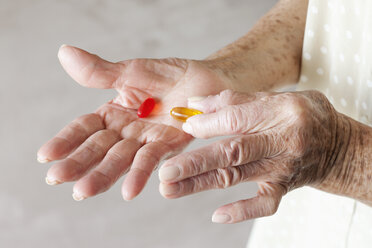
point(269, 56)
point(351, 173)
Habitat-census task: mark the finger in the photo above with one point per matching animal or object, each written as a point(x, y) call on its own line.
point(252, 116)
point(222, 154)
point(88, 69)
point(70, 137)
point(116, 162)
point(225, 98)
point(215, 179)
point(264, 204)
point(85, 157)
point(146, 159)
point(227, 121)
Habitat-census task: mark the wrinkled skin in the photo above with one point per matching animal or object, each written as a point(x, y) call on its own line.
point(96, 149)
point(281, 140)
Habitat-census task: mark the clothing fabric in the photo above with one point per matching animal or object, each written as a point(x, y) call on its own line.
point(337, 60)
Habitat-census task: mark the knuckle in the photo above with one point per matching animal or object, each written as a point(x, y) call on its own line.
point(136, 63)
point(267, 208)
point(231, 97)
point(270, 208)
point(141, 171)
point(135, 66)
point(105, 181)
point(196, 185)
point(264, 97)
point(234, 151)
point(227, 96)
point(197, 164)
point(89, 120)
point(233, 119)
point(94, 143)
point(295, 106)
point(223, 177)
point(227, 177)
point(115, 156)
point(94, 147)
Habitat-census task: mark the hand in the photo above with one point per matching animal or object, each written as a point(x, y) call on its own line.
point(282, 141)
point(96, 149)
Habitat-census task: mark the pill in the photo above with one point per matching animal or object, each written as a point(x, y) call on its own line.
point(181, 113)
point(146, 107)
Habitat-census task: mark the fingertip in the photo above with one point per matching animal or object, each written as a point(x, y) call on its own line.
point(63, 46)
point(42, 159)
point(127, 196)
point(221, 218)
point(85, 187)
point(63, 52)
point(169, 173)
point(129, 190)
point(51, 181)
point(169, 191)
point(197, 126)
point(77, 196)
point(161, 190)
point(132, 186)
point(187, 128)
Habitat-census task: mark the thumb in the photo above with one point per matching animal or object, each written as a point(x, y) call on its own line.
point(88, 69)
point(228, 113)
point(227, 121)
point(265, 203)
point(223, 115)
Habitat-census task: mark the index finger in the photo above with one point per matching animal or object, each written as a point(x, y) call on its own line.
point(229, 152)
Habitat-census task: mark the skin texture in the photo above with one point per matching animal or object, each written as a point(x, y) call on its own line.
point(269, 56)
point(282, 141)
point(96, 149)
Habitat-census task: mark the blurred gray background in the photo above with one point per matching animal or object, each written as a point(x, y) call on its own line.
point(37, 99)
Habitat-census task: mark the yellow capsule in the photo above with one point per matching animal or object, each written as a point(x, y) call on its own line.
point(181, 113)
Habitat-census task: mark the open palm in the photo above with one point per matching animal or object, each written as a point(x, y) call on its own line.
point(97, 148)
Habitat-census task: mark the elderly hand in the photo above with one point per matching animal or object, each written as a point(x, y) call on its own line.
point(96, 149)
point(282, 141)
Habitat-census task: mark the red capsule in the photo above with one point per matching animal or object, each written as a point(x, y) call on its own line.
point(146, 107)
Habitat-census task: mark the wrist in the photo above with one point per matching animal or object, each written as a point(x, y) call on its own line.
point(349, 168)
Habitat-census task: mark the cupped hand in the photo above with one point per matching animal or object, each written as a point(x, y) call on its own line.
point(282, 141)
point(97, 148)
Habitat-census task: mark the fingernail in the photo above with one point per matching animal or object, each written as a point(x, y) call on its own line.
point(52, 181)
point(169, 173)
point(169, 189)
point(187, 128)
point(77, 196)
point(196, 98)
point(221, 218)
point(60, 54)
point(42, 160)
point(62, 46)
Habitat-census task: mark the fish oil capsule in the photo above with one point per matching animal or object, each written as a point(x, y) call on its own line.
point(146, 108)
point(181, 113)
